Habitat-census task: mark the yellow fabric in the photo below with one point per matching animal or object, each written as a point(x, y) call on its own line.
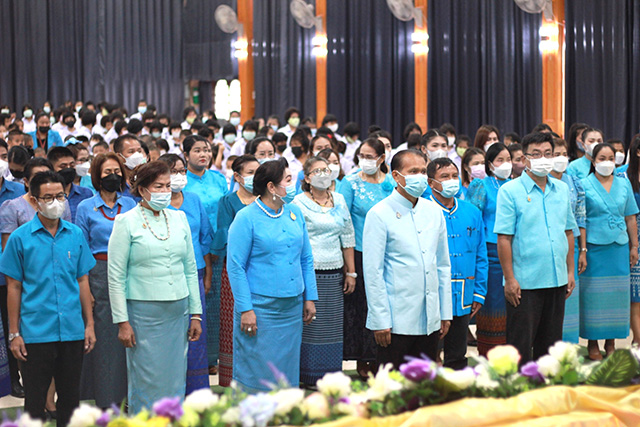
point(553, 406)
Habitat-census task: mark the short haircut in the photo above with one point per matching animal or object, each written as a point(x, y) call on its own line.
point(171, 160)
point(252, 146)
point(269, 172)
point(250, 125)
point(18, 154)
point(88, 118)
point(134, 126)
point(205, 132)
point(45, 177)
point(174, 125)
point(279, 137)
point(144, 175)
point(102, 144)
point(188, 111)
point(437, 164)
point(514, 148)
point(351, 129)
point(300, 136)
point(96, 170)
point(514, 137)
point(57, 153)
point(410, 128)
point(229, 128)
point(414, 141)
point(307, 170)
point(34, 163)
point(289, 112)
point(540, 127)
point(446, 128)
point(118, 145)
point(329, 118)
point(398, 160)
point(536, 138)
point(240, 161)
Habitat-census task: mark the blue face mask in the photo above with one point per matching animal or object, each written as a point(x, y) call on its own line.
point(248, 183)
point(291, 193)
point(159, 201)
point(449, 188)
point(415, 185)
point(265, 160)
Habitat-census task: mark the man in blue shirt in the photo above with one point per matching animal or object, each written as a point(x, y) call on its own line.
point(534, 224)
point(467, 253)
point(65, 164)
point(8, 190)
point(407, 273)
point(47, 261)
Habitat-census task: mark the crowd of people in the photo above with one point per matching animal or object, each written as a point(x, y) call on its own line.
point(141, 255)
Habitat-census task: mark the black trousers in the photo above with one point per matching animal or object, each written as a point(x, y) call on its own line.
point(61, 361)
point(408, 345)
point(536, 324)
point(455, 343)
point(13, 363)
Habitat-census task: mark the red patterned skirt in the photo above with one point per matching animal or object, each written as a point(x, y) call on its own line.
point(225, 368)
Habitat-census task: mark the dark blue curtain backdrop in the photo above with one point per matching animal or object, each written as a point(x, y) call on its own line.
point(485, 66)
point(603, 66)
point(370, 67)
point(284, 68)
point(113, 50)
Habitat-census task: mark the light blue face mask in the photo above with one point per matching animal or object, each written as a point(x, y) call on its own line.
point(248, 183)
point(265, 160)
point(159, 201)
point(275, 128)
point(291, 193)
point(415, 185)
point(449, 188)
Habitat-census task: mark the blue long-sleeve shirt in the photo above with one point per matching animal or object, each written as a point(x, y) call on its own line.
point(269, 256)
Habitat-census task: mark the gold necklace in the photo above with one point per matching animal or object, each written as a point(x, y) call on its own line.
point(324, 205)
point(166, 220)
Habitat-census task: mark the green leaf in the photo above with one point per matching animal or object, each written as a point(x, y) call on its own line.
point(615, 371)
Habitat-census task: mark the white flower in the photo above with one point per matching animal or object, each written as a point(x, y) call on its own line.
point(201, 400)
point(585, 369)
point(231, 416)
point(288, 399)
point(354, 405)
point(565, 352)
point(315, 406)
point(334, 384)
point(84, 416)
point(26, 421)
point(382, 384)
point(483, 378)
point(548, 366)
point(504, 359)
point(462, 379)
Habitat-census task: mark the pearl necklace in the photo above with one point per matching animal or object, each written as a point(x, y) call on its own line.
point(166, 220)
point(267, 212)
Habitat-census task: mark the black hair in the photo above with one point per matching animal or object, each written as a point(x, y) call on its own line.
point(18, 154)
point(174, 125)
point(589, 130)
point(34, 163)
point(134, 126)
point(278, 137)
point(57, 153)
point(596, 150)
point(289, 112)
point(88, 118)
point(351, 129)
point(252, 146)
point(373, 129)
point(162, 144)
point(514, 148)
point(300, 136)
point(187, 111)
point(409, 128)
point(191, 140)
point(171, 160)
point(40, 115)
point(574, 131)
point(540, 127)
point(119, 125)
point(250, 125)
point(378, 147)
point(536, 138)
point(514, 137)
point(269, 172)
point(414, 141)
point(437, 164)
point(229, 128)
point(205, 132)
point(431, 134)
point(264, 131)
point(446, 128)
point(328, 119)
point(633, 172)
point(3, 144)
point(119, 142)
point(240, 161)
point(156, 125)
point(398, 160)
point(318, 137)
point(493, 152)
point(45, 177)
point(106, 119)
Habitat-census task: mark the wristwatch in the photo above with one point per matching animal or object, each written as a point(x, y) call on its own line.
point(583, 249)
point(354, 275)
point(13, 336)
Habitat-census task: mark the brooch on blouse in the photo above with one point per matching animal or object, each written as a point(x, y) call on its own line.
point(528, 199)
point(398, 215)
point(293, 216)
point(144, 225)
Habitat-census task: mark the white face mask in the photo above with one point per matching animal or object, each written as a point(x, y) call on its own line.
point(503, 171)
point(451, 140)
point(134, 160)
point(619, 158)
point(248, 135)
point(560, 164)
point(234, 121)
point(230, 138)
point(321, 182)
point(178, 182)
point(588, 148)
point(335, 171)
point(541, 167)
point(369, 166)
point(333, 127)
point(486, 146)
point(605, 168)
point(437, 154)
point(3, 167)
point(53, 210)
point(175, 134)
point(82, 169)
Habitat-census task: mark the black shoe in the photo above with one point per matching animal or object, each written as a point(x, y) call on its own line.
point(51, 415)
point(17, 390)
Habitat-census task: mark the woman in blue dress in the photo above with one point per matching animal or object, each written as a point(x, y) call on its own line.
point(361, 191)
point(612, 249)
point(570, 326)
point(270, 267)
point(492, 318)
point(244, 168)
point(104, 370)
point(201, 236)
point(633, 174)
point(210, 186)
point(581, 167)
point(332, 240)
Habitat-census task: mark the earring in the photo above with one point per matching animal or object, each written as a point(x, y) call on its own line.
point(274, 197)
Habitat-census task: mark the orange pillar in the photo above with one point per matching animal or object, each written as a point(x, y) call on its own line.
point(553, 70)
point(421, 62)
point(245, 65)
point(321, 63)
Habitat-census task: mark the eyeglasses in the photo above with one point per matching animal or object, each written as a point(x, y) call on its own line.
point(181, 172)
point(538, 155)
point(323, 171)
point(61, 197)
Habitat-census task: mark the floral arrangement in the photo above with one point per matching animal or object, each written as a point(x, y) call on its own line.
point(419, 382)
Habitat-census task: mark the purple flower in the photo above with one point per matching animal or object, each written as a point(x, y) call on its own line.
point(418, 369)
point(104, 419)
point(530, 370)
point(169, 407)
point(115, 409)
